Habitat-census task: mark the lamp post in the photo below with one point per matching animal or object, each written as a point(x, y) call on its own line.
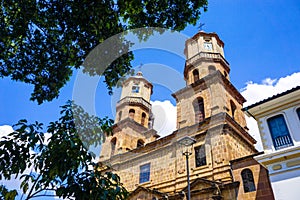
point(187, 141)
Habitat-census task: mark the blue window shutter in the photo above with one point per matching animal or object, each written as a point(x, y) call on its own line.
point(145, 173)
point(279, 132)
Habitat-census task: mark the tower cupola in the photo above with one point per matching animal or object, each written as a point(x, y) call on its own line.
point(135, 100)
point(204, 54)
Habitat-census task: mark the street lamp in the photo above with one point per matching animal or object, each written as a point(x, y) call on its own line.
point(187, 141)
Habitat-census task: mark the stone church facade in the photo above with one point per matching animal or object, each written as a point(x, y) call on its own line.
point(209, 110)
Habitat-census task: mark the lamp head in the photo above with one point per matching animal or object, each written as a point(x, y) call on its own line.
point(186, 141)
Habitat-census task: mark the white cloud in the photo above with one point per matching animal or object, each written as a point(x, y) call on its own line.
point(269, 81)
point(165, 117)
point(165, 112)
point(5, 130)
point(255, 92)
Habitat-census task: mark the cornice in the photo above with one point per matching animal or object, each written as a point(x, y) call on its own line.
point(202, 33)
point(139, 78)
point(222, 121)
point(282, 100)
point(128, 122)
point(205, 57)
point(203, 83)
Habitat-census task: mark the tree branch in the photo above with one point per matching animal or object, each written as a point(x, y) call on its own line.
point(42, 195)
point(34, 184)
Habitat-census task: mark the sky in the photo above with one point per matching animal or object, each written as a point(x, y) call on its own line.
point(262, 45)
point(261, 41)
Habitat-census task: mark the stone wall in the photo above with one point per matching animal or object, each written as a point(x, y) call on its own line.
point(168, 165)
point(261, 179)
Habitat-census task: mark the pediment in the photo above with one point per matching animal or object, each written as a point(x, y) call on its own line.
point(141, 193)
point(202, 184)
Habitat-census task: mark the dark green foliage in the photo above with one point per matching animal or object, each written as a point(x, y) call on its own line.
point(5, 194)
point(62, 164)
point(41, 42)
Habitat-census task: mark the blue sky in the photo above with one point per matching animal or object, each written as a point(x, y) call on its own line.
point(262, 45)
point(261, 40)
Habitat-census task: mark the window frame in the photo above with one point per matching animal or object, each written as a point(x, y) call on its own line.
point(277, 138)
point(131, 113)
point(113, 143)
point(202, 160)
point(144, 173)
point(135, 89)
point(196, 75)
point(199, 109)
point(233, 109)
point(143, 119)
point(248, 180)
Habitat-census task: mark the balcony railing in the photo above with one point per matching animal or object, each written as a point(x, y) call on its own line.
point(134, 100)
point(282, 142)
point(206, 55)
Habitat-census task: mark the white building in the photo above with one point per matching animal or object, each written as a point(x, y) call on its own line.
point(278, 119)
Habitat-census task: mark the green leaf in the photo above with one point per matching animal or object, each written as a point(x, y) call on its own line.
point(43, 47)
point(25, 188)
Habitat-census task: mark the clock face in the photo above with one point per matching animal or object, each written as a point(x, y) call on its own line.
point(208, 46)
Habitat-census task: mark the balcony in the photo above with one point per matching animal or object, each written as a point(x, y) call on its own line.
point(281, 142)
point(207, 56)
point(134, 100)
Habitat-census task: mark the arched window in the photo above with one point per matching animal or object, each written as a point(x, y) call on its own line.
point(199, 110)
point(211, 69)
point(196, 75)
point(113, 144)
point(131, 113)
point(233, 108)
point(140, 143)
point(248, 180)
point(279, 132)
point(120, 116)
point(298, 112)
point(143, 118)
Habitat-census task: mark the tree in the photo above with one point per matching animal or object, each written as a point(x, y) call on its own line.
point(6, 194)
point(41, 42)
point(62, 164)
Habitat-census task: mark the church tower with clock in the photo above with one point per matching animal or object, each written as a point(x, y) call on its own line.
point(209, 89)
point(134, 119)
point(209, 111)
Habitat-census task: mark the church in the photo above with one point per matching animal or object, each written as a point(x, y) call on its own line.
point(208, 156)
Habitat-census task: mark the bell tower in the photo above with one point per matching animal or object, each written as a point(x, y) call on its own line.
point(135, 100)
point(133, 121)
point(204, 54)
point(209, 108)
point(208, 90)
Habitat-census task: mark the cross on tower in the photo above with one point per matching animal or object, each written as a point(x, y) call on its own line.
point(140, 67)
point(200, 26)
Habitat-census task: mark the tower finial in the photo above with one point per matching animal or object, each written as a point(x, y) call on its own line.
point(200, 26)
point(139, 73)
point(140, 67)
